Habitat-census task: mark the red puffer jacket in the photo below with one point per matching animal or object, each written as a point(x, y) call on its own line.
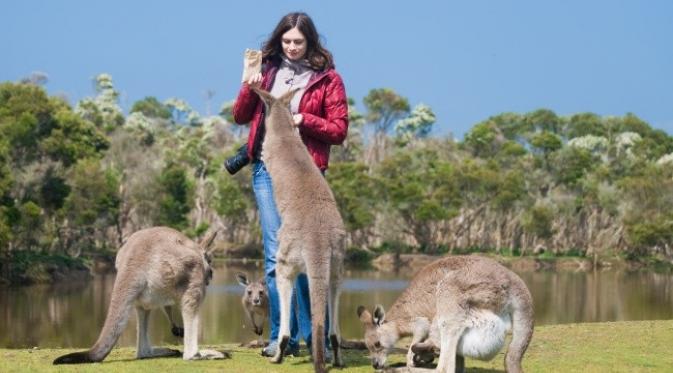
point(323, 105)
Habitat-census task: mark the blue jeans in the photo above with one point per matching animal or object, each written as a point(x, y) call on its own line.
point(300, 317)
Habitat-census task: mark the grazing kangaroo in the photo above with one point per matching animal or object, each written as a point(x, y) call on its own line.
point(311, 236)
point(462, 304)
point(255, 302)
point(156, 267)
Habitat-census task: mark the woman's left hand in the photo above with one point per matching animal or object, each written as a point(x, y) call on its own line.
point(297, 119)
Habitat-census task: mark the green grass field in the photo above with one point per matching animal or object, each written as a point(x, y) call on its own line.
point(639, 346)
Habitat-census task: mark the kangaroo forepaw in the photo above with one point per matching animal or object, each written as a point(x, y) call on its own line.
point(423, 359)
point(178, 331)
point(420, 354)
point(259, 330)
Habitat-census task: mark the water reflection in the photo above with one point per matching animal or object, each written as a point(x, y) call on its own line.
point(71, 315)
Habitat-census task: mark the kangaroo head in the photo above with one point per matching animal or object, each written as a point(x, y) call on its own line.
point(278, 116)
point(255, 292)
point(380, 337)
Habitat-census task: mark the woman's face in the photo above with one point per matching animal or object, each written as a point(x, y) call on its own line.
point(294, 44)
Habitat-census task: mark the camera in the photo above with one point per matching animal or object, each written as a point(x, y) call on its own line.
point(238, 160)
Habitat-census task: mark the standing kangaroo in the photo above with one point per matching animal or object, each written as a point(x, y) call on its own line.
point(311, 236)
point(464, 305)
point(156, 267)
point(255, 302)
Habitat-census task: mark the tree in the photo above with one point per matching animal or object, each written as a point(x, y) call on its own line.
point(420, 188)
point(546, 143)
point(182, 113)
point(175, 199)
point(384, 108)
point(351, 149)
point(538, 221)
point(484, 139)
point(26, 117)
point(73, 138)
point(103, 109)
point(416, 126)
point(229, 198)
point(647, 214)
point(93, 204)
point(586, 124)
point(543, 120)
point(150, 107)
point(355, 194)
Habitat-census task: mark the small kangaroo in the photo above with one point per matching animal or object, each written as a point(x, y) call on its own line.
point(311, 236)
point(255, 302)
point(156, 267)
point(464, 305)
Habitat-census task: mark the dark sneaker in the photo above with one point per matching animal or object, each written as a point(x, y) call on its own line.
point(270, 350)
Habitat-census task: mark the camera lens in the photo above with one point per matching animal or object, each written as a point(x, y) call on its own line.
point(238, 160)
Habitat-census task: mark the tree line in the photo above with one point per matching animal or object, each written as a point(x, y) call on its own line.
point(79, 180)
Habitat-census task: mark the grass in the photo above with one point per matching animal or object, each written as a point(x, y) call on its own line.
point(634, 346)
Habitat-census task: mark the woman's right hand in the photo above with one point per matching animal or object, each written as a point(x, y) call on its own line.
point(255, 81)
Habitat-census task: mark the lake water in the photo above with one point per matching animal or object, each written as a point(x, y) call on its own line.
point(71, 315)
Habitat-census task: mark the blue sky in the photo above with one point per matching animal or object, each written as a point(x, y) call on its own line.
point(467, 60)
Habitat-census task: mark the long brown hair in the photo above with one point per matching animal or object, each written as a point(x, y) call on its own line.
point(317, 56)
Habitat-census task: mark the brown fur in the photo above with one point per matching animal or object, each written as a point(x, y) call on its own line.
point(311, 236)
point(439, 305)
point(156, 267)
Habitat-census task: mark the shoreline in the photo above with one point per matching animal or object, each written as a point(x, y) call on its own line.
point(50, 271)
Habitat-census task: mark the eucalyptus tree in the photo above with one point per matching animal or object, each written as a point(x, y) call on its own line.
point(182, 113)
point(92, 206)
point(416, 126)
point(103, 110)
point(647, 215)
point(152, 108)
point(356, 195)
point(351, 150)
point(419, 188)
point(42, 140)
point(384, 108)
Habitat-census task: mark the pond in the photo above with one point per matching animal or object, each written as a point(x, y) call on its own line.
point(72, 314)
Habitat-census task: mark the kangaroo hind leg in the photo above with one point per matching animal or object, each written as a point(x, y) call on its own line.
point(191, 301)
point(286, 273)
point(522, 333)
point(333, 312)
point(145, 349)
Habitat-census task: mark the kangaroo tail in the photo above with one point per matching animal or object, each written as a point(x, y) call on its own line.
point(118, 313)
point(318, 282)
point(522, 328)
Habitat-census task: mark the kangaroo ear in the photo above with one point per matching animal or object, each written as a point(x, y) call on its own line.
point(242, 279)
point(265, 96)
point(286, 98)
point(379, 314)
point(262, 282)
point(364, 316)
point(208, 241)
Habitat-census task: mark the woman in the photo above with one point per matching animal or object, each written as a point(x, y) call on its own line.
point(292, 57)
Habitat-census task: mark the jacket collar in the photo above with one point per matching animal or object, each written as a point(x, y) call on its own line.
point(272, 67)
